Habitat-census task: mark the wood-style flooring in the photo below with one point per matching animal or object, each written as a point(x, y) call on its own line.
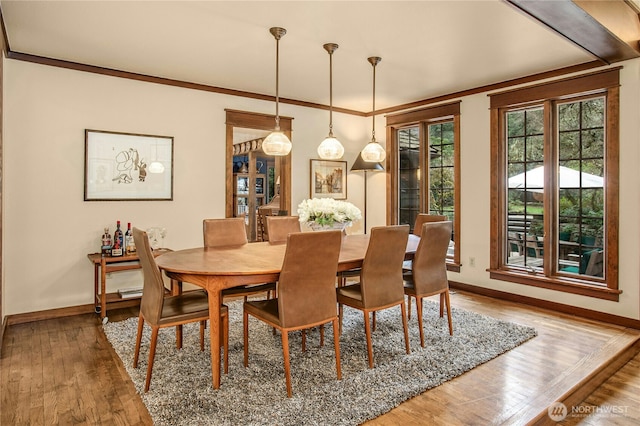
point(63, 371)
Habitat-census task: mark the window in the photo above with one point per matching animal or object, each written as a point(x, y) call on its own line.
point(554, 186)
point(424, 162)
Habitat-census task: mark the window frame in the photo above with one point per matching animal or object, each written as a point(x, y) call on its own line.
point(423, 118)
point(603, 83)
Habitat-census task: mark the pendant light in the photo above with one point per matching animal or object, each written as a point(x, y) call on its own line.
point(330, 148)
point(277, 143)
point(373, 152)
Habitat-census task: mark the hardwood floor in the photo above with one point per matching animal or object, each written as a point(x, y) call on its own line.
point(64, 371)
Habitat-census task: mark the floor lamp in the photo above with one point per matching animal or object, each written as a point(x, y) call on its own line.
point(365, 166)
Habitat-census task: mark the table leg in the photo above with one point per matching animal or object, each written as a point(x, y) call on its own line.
point(103, 288)
point(214, 335)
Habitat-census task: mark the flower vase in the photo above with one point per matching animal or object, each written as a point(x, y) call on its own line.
point(341, 226)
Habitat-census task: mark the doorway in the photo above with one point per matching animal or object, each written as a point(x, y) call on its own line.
point(254, 179)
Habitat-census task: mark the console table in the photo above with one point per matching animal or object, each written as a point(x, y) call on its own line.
point(102, 265)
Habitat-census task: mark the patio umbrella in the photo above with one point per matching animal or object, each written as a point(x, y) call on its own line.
point(569, 178)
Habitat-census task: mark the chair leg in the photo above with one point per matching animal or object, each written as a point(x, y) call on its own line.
point(322, 335)
point(405, 326)
point(374, 320)
point(367, 332)
point(336, 345)
point(179, 336)
point(409, 306)
point(448, 302)
point(225, 340)
point(245, 326)
point(441, 304)
point(304, 340)
point(419, 309)
point(152, 355)
point(202, 326)
point(340, 319)
point(138, 341)
point(285, 355)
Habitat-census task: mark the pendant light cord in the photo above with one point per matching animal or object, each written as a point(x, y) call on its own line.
point(330, 94)
point(277, 81)
point(373, 110)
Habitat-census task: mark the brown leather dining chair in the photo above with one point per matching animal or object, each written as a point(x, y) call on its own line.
point(232, 232)
point(279, 227)
point(422, 218)
point(306, 293)
point(428, 276)
point(380, 285)
point(160, 311)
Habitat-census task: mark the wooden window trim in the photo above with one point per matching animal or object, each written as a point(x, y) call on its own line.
point(423, 117)
point(607, 83)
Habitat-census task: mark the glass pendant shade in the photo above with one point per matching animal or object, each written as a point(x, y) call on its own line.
point(330, 149)
point(277, 143)
point(373, 152)
point(156, 167)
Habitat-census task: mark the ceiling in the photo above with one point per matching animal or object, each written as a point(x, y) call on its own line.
point(428, 48)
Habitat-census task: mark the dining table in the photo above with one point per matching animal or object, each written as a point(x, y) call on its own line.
point(218, 268)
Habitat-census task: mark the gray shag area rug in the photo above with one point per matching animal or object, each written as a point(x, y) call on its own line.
point(181, 392)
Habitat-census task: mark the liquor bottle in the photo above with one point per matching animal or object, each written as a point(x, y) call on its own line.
point(129, 244)
point(106, 242)
point(118, 241)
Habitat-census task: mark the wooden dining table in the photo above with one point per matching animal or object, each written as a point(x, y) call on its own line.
point(215, 269)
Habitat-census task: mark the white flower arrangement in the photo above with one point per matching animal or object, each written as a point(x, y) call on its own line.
point(327, 211)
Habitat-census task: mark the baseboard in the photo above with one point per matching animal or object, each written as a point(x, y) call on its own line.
point(64, 312)
point(545, 304)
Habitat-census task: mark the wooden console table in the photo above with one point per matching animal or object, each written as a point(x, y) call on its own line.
point(104, 265)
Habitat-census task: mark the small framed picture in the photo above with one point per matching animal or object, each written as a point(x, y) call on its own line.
point(329, 179)
point(127, 166)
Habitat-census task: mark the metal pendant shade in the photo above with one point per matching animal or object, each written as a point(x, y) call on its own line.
point(277, 143)
point(330, 148)
point(373, 152)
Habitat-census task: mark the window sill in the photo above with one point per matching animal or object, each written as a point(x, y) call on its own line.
point(566, 285)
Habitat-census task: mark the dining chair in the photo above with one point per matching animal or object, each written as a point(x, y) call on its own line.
point(232, 232)
point(306, 293)
point(380, 285)
point(160, 311)
point(428, 276)
point(421, 218)
point(279, 227)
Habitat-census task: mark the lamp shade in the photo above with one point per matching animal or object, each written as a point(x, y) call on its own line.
point(330, 149)
point(277, 143)
point(373, 152)
point(360, 165)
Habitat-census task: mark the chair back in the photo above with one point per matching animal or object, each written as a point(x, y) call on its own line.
point(279, 227)
point(429, 263)
point(424, 218)
point(306, 288)
point(230, 231)
point(153, 289)
point(381, 276)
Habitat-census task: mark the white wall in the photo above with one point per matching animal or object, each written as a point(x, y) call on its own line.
point(48, 228)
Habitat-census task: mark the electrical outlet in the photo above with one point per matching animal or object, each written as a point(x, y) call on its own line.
point(472, 262)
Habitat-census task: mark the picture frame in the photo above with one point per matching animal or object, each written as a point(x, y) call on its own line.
point(127, 166)
point(328, 179)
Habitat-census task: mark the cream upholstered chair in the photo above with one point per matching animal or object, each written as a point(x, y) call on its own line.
point(306, 293)
point(279, 227)
point(160, 311)
point(232, 232)
point(428, 276)
point(380, 285)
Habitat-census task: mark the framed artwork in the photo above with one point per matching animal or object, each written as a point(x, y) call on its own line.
point(127, 166)
point(329, 179)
